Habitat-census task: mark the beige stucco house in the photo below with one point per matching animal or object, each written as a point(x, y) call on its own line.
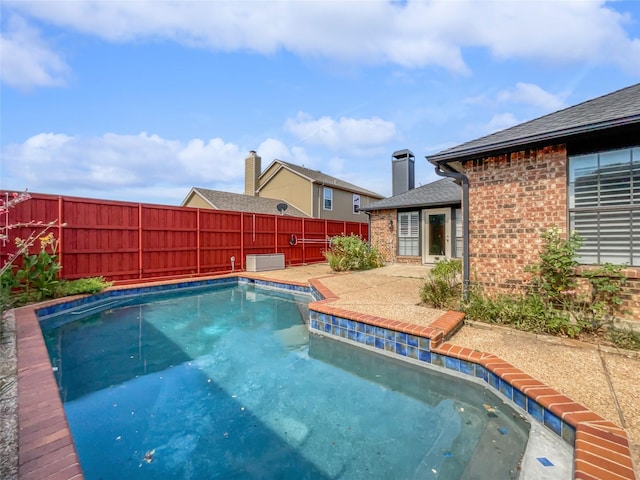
point(306, 192)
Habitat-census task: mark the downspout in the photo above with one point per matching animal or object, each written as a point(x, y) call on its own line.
point(444, 170)
point(368, 214)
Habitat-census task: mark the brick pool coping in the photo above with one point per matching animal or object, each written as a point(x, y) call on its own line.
point(46, 448)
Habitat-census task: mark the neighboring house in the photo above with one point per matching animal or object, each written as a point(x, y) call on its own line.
point(577, 169)
point(310, 192)
point(237, 202)
point(417, 225)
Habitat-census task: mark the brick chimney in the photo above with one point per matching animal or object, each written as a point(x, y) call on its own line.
point(252, 170)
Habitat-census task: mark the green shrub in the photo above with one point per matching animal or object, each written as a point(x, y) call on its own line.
point(603, 301)
point(554, 273)
point(351, 253)
point(530, 313)
point(38, 274)
point(443, 286)
point(82, 285)
point(624, 337)
point(555, 302)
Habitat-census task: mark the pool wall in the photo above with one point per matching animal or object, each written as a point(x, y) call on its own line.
point(46, 448)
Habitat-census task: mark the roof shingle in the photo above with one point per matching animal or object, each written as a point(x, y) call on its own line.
point(440, 192)
point(238, 202)
point(322, 178)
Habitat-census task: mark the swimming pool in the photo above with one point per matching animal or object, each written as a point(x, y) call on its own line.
point(226, 382)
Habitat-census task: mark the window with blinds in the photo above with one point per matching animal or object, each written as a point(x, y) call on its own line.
point(409, 233)
point(604, 205)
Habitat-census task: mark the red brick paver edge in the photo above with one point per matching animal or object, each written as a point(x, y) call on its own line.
point(45, 446)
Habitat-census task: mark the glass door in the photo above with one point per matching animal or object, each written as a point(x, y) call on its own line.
point(437, 235)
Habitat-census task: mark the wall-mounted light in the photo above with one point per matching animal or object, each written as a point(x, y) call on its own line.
point(390, 223)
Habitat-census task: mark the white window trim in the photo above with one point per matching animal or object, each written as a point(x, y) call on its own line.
point(326, 190)
point(412, 232)
point(356, 202)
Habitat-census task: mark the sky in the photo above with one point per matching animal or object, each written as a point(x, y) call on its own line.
point(142, 100)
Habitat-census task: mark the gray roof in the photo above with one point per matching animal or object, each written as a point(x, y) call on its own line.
point(440, 192)
point(619, 108)
point(318, 177)
point(237, 202)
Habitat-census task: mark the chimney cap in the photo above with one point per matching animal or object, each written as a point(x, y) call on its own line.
point(403, 153)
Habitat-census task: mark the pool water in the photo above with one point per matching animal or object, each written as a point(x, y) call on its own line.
point(226, 382)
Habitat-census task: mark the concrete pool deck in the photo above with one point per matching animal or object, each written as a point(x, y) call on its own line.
point(603, 380)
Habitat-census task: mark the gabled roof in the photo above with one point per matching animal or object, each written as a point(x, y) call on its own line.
point(317, 176)
point(619, 108)
point(441, 192)
point(238, 202)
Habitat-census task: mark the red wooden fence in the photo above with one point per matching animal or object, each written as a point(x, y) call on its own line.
point(125, 241)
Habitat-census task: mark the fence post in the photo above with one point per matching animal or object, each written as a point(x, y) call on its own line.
point(275, 228)
point(302, 239)
point(140, 241)
point(198, 246)
point(60, 222)
point(241, 240)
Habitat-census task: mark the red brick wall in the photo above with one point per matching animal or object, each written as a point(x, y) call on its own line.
point(513, 198)
point(383, 237)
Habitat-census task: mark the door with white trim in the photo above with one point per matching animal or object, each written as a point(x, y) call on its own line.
point(437, 234)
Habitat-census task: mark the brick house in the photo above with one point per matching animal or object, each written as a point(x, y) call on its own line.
point(416, 225)
point(577, 169)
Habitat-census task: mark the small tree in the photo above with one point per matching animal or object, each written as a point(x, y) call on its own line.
point(554, 274)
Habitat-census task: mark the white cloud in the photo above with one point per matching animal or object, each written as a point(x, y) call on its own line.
point(141, 163)
point(27, 61)
point(414, 34)
point(530, 94)
point(579, 32)
point(356, 136)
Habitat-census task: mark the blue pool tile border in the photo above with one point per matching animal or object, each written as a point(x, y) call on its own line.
point(403, 345)
point(62, 305)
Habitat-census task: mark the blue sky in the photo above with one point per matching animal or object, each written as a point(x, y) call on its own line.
point(142, 100)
